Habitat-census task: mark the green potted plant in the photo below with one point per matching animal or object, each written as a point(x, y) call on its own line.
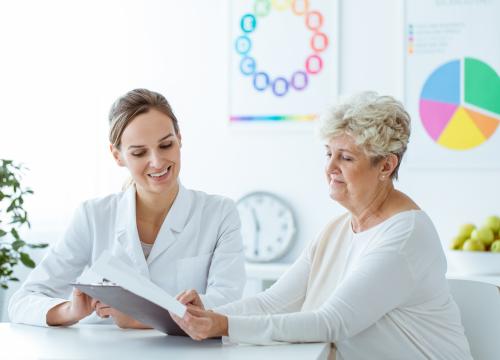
point(13, 216)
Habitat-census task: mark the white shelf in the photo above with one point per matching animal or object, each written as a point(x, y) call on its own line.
point(491, 279)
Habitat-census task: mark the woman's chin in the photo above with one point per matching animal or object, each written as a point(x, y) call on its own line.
point(159, 187)
point(163, 187)
point(336, 195)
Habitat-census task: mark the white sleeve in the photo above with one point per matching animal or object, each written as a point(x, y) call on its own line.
point(382, 281)
point(226, 276)
point(49, 283)
point(286, 295)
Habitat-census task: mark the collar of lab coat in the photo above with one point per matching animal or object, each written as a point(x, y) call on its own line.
point(128, 235)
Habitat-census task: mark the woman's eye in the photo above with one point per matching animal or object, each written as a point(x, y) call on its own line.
point(346, 158)
point(328, 155)
point(139, 154)
point(165, 146)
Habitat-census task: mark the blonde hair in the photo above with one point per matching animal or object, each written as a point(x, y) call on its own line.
point(134, 103)
point(379, 124)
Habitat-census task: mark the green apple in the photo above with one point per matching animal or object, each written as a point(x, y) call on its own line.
point(473, 245)
point(493, 222)
point(465, 231)
point(495, 247)
point(484, 234)
point(457, 243)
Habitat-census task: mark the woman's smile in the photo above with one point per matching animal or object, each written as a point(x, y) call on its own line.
point(336, 181)
point(160, 176)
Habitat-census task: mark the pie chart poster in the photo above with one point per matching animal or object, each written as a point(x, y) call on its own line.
point(452, 83)
point(283, 60)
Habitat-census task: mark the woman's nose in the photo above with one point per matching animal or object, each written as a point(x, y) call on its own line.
point(331, 166)
point(155, 160)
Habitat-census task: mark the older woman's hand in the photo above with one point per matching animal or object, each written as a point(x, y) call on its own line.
point(190, 297)
point(202, 324)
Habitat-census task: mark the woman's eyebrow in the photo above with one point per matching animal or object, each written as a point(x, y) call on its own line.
point(165, 137)
point(140, 146)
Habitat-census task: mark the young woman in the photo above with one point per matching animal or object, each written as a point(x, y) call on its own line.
point(178, 238)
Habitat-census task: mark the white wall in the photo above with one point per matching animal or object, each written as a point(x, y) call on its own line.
point(63, 63)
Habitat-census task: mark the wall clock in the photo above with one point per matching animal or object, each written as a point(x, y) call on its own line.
point(268, 226)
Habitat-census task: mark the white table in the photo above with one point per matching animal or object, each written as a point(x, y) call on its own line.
point(109, 342)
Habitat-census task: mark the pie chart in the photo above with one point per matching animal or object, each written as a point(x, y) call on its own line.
point(460, 103)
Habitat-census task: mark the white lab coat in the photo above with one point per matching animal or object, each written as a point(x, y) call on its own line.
point(198, 247)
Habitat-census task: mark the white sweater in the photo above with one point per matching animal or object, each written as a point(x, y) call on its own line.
point(378, 294)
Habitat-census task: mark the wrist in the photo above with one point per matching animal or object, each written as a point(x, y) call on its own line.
point(225, 325)
point(61, 315)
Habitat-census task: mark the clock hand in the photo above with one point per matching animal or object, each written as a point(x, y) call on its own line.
point(257, 233)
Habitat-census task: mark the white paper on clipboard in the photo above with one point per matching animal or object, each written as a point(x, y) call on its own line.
point(115, 270)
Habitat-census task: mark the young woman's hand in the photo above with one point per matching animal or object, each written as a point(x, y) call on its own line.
point(190, 297)
point(70, 312)
point(202, 324)
point(120, 319)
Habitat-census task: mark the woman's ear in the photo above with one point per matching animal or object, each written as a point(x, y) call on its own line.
point(389, 164)
point(116, 155)
point(179, 137)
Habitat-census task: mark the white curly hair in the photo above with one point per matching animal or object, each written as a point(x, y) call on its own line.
point(379, 124)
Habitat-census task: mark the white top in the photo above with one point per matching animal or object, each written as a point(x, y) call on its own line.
point(198, 247)
point(146, 248)
point(383, 296)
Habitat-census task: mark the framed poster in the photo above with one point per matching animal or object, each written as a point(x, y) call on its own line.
point(452, 83)
point(283, 60)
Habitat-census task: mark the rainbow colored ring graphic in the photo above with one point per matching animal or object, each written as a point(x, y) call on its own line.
point(299, 79)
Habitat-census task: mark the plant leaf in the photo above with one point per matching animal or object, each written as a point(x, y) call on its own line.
point(15, 234)
point(37, 246)
point(11, 206)
point(26, 260)
point(16, 245)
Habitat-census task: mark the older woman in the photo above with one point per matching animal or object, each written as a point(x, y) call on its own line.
point(373, 283)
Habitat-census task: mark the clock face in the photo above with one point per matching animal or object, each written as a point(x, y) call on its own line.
point(267, 226)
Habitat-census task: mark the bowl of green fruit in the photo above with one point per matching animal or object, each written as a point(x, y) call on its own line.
point(476, 250)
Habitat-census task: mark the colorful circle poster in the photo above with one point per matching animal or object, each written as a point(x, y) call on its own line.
point(453, 83)
point(283, 60)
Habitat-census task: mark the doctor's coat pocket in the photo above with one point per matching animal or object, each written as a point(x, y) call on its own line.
point(192, 272)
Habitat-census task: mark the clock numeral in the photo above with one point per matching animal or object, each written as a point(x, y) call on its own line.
point(279, 240)
point(269, 249)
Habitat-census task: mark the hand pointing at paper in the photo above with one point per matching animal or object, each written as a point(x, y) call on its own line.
point(202, 324)
point(197, 322)
point(190, 297)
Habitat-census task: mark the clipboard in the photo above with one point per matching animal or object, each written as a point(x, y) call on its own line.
point(133, 305)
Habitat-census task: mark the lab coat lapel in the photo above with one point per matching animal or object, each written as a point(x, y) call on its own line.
point(126, 232)
point(173, 224)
